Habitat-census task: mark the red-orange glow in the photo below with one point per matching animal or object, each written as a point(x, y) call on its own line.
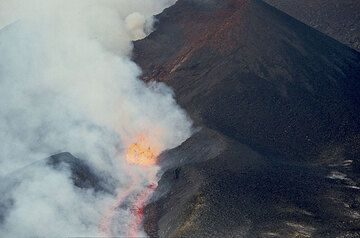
point(137, 209)
point(141, 153)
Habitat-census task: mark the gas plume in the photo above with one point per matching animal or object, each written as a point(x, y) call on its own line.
point(67, 83)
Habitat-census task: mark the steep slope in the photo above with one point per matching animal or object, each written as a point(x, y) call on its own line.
point(256, 75)
point(339, 19)
point(278, 107)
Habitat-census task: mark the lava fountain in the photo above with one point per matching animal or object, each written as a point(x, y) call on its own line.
point(141, 153)
point(141, 156)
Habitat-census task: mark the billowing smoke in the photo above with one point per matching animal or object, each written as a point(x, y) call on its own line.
point(67, 84)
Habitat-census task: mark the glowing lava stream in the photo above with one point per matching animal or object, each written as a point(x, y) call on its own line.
point(137, 210)
point(141, 155)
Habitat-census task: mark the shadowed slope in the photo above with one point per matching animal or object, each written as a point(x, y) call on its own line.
point(339, 19)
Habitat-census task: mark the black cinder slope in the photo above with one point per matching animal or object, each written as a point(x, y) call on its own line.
point(339, 19)
point(279, 106)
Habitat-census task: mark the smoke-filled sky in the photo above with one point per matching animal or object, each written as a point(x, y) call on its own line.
point(67, 84)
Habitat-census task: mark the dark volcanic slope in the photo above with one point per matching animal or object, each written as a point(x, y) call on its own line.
point(339, 19)
point(82, 175)
point(278, 103)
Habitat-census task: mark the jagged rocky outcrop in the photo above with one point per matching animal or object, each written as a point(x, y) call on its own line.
point(277, 104)
point(81, 174)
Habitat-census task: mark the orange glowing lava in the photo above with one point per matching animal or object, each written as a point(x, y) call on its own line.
point(137, 209)
point(141, 153)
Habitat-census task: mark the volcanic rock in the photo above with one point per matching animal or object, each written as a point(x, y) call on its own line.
point(339, 19)
point(277, 103)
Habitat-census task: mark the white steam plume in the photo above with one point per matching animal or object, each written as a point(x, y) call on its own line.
point(67, 84)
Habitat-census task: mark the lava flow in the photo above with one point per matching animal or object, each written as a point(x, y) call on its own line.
point(141, 156)
point(137, 209)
